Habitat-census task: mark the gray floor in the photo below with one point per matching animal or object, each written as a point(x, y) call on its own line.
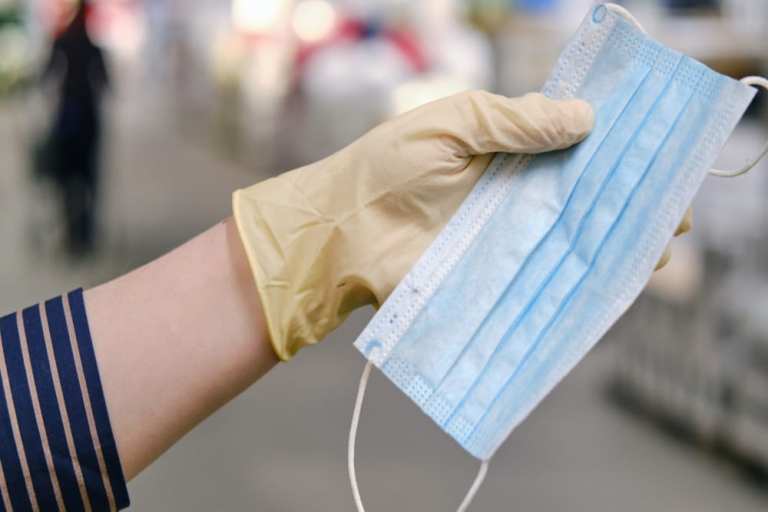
point(282, 445)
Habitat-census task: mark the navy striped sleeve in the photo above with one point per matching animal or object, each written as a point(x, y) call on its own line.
point(57, 449)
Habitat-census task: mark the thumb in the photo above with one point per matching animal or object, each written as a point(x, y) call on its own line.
point(533, 123)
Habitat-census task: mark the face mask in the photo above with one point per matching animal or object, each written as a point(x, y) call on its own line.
point(547, 252)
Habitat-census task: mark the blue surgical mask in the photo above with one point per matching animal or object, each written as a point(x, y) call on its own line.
point(547, 252)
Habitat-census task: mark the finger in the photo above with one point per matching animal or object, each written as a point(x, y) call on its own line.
point(664, 258)
point(479, 122)
point(686, 224)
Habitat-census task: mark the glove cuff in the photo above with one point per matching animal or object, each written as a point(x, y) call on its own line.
point(243, 221)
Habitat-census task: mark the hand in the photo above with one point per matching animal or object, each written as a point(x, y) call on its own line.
point(341, 233)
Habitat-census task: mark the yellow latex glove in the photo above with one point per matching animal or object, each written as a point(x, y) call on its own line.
point(683, 228)
point(338, 234)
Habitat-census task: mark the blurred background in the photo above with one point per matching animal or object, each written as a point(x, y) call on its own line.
point(175, 103)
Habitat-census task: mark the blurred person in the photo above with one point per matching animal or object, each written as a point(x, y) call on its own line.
point(168, 344)
point(78, 66)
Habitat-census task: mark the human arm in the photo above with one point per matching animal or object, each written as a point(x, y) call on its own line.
point(186, 330)
point(179, 337)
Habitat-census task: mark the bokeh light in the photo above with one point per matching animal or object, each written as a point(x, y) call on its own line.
point(314, 20)
point(254, 16)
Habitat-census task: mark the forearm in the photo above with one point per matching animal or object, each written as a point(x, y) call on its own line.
point(177, 339)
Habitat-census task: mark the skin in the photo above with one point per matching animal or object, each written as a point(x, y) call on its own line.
point(218, 331)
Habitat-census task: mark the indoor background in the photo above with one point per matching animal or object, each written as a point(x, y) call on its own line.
point(668, 413)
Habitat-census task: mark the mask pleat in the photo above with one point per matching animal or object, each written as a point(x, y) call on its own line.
point(549, 200)
point(574, 269)
point(581, 227)
point(553, 356)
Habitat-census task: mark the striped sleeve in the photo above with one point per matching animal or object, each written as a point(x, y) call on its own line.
point(57, 449)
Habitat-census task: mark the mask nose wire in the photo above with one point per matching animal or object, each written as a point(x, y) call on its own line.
point(353, 439)
point(757, 81)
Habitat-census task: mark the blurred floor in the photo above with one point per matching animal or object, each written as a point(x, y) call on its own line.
point(282, 445)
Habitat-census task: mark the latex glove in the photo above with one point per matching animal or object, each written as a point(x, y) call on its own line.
point(683, 228)
point(341, 233)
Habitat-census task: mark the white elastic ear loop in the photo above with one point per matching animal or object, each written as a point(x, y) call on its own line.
point(621, 11)
point(353, 438)
point(475, 487)
point(749, 80)
point(759, 82)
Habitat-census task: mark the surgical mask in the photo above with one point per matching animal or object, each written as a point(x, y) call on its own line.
point(547, 252)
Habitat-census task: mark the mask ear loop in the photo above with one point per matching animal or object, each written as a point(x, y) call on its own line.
point(621, 11)
point(749, 80)
point(353, 438)
point(759, 82)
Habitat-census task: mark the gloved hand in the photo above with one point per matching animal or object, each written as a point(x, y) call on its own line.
point(338, 234)
point(683, 228)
